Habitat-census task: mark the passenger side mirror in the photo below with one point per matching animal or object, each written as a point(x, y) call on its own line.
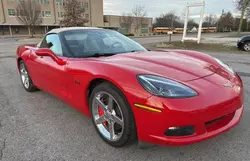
point(50, 53)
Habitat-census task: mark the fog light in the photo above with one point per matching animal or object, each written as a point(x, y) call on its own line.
point(180, 131)
point(173, 128)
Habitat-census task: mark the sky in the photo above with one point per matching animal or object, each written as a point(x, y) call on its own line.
point(155, 8)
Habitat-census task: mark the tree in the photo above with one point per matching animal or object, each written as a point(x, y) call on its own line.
point(226, 22)
point(239, 6)
point(128, 20)
point(29, 14)
point(192, 24)
point(74, 14)
point(138, 13)
point(242, 5)
point(210, 21)
point(169, 19)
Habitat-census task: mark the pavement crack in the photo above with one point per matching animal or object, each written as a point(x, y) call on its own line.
point(39, 121)
point(1, 150)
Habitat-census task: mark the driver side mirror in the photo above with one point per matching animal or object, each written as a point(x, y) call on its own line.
point(50, 53)
point(49, 45)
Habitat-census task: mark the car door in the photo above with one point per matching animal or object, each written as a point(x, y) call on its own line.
point(55, 79)
point(37, 67)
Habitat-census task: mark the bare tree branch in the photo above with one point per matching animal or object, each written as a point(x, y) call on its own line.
point(128, 20)
point(210, 21)
point(139, 13)
point(29, 14)
point(239, 6)
point(226, 22)
point(170, 20)
point(74, 14)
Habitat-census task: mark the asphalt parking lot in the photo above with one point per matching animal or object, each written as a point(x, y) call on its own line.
point(39, 127)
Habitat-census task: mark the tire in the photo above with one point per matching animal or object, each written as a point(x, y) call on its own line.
point(246, 46)
point(25, 78)
point(124, 129)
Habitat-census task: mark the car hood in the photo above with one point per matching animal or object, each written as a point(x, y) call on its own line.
point(172, 65)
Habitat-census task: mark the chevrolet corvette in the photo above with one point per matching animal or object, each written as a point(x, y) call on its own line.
point(244, 43)
point(165, 97)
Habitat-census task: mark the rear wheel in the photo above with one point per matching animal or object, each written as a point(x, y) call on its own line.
point(112, 116)
point(25, 78)
point(246, 46)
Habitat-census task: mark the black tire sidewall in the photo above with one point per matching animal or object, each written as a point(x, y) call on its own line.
point(129, 132)
point(31, 86)
point(243, 46)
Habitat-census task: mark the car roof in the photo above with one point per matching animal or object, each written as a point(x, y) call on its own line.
point(59, 30)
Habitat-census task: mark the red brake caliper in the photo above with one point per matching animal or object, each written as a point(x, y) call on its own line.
point(101, 113)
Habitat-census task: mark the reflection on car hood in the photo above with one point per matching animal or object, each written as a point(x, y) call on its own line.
point(167, 64)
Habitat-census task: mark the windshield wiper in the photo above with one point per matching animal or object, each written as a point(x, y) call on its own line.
point(133, 51)
point(100, 54)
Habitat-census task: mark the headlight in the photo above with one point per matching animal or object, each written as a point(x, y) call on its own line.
point(226, 66)
point(164, 87)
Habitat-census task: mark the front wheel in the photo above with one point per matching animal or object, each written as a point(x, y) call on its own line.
point(25, 78)
point(112, 115)
point(246, 46)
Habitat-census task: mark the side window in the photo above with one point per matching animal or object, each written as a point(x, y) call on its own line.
point(53, 42)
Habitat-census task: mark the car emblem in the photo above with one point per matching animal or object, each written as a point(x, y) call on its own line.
point(228, 84)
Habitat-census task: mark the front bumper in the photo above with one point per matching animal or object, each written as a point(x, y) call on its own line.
point(239, 44)
point(214, 111)
point(217, 130)
point(152, 129)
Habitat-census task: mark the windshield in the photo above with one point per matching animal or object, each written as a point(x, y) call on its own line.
point(87, 43)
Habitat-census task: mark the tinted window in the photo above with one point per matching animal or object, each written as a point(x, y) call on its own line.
point(85, 43)
point(54, 40)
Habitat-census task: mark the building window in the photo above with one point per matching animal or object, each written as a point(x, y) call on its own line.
point(36, 1)
point(11, 12)
point(144, 28)
point(60, 2)
point(20, 12)
point(39, 13)
point(124, 28)
point(47, 14)
point(85, 5)
point(87, 16)
point(44, 1)
point(60, 14)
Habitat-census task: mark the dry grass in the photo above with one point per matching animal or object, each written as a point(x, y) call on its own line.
point(199, 47)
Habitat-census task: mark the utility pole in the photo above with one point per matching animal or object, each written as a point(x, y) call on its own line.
point(242, 16)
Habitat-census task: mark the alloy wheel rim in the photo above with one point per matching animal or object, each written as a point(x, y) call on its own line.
point(247, 47)
point(24, 76)
point(107, 115)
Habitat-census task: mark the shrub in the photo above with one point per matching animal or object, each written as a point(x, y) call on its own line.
point(130, 34)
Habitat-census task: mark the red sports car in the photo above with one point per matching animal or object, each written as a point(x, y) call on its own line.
point(167, 97)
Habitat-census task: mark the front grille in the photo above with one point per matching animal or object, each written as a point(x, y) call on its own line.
point(214, 121)
point(219, 122)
